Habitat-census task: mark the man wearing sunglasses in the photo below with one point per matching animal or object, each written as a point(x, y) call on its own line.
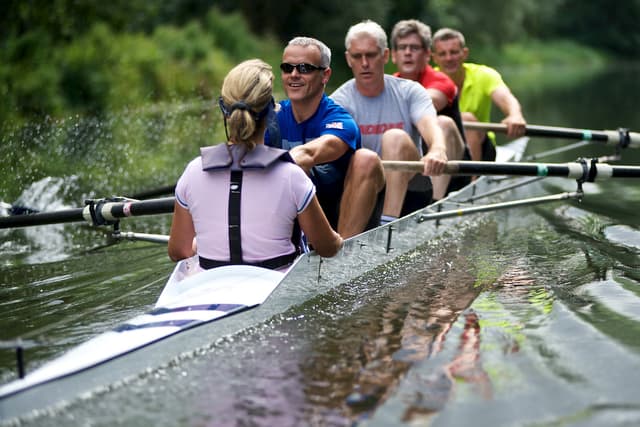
point(324, 140)
point(394, 115)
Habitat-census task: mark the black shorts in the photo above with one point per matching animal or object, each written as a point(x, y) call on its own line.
point(329, 182)
point(488, 150)
point(419, 194)
point(415, 200)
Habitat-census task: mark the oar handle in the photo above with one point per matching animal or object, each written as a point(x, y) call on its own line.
point(607, 136)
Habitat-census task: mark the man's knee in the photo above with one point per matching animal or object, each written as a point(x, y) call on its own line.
point(446, 123)
point(398, 145)
point(453, 139)
point(365, 160)
point(365, 164)
point(449, 129)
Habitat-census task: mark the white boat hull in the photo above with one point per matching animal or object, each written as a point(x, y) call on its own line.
point(186, 301)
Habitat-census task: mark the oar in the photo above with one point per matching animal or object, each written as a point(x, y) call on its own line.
point(614, 137)
point(155, 192)
point(146, 194)
point(145, 237)
point(587, 171)
point(97, 212)
point(17, 209)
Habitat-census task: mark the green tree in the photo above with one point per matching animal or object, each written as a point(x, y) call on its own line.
point(612, 26)
point(490, 22)
point(326, 20)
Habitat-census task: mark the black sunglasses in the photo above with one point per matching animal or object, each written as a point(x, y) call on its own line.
point(302, 68)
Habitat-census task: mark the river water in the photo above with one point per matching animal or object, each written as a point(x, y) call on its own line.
point(532, 317)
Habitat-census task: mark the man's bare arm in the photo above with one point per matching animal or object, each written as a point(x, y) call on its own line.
point(510, 107)
point(435, 159)
point(323, 149)
point(438, 98)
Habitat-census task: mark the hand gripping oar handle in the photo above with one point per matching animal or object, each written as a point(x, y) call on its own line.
point(622, 137)
point(96, 212)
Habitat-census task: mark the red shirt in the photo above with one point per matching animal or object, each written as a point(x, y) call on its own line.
point(430, 78)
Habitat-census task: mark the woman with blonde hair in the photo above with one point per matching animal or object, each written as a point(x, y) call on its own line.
point(237, 203)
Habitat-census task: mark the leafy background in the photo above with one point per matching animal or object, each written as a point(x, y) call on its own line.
point(117, 84)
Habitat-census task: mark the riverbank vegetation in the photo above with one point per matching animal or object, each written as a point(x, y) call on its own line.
point(63, 57)
point(85, 78)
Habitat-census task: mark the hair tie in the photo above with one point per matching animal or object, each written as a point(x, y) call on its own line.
point(227, 110)
point(240, 105)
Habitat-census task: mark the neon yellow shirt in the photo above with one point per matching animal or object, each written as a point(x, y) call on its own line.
point(479, 83)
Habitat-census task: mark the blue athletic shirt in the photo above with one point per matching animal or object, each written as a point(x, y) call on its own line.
point(330, 118)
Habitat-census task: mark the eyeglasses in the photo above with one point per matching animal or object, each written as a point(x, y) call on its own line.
point(411, 47)
point(302, 68)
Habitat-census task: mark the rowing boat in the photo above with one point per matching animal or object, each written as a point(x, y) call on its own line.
point(195, 309)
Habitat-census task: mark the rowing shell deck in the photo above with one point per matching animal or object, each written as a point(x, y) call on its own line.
point(195, 310)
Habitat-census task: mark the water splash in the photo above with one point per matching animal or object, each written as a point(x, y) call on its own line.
point(48, 243)
point(47, 193)
point(111, 154)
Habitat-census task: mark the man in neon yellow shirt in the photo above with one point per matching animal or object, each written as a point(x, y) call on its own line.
point(479, 87)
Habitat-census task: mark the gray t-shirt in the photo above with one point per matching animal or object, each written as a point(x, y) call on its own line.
point(401, 105)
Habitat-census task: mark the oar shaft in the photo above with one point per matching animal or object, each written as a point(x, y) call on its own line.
point(522, 169)
point(42, 218)
point(160, 191)
point(607, 136)
point(103, 212)
point(587, 171)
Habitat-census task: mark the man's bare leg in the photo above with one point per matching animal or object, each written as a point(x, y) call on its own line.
point(475, 138)
point(455, 151)
point(364, 180)
point(397, 145)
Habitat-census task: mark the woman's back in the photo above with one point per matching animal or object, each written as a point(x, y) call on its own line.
point(271, 199)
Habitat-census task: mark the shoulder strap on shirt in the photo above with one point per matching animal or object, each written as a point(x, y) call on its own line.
point(237, 159)
point(235, 244)
point(223, 156)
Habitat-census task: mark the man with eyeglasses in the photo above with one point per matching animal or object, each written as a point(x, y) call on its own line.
point(324, 140)
point(393, 115)
point(411, 52)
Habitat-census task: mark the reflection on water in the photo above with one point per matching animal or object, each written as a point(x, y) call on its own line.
point(62, 303)
point(421, 343)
